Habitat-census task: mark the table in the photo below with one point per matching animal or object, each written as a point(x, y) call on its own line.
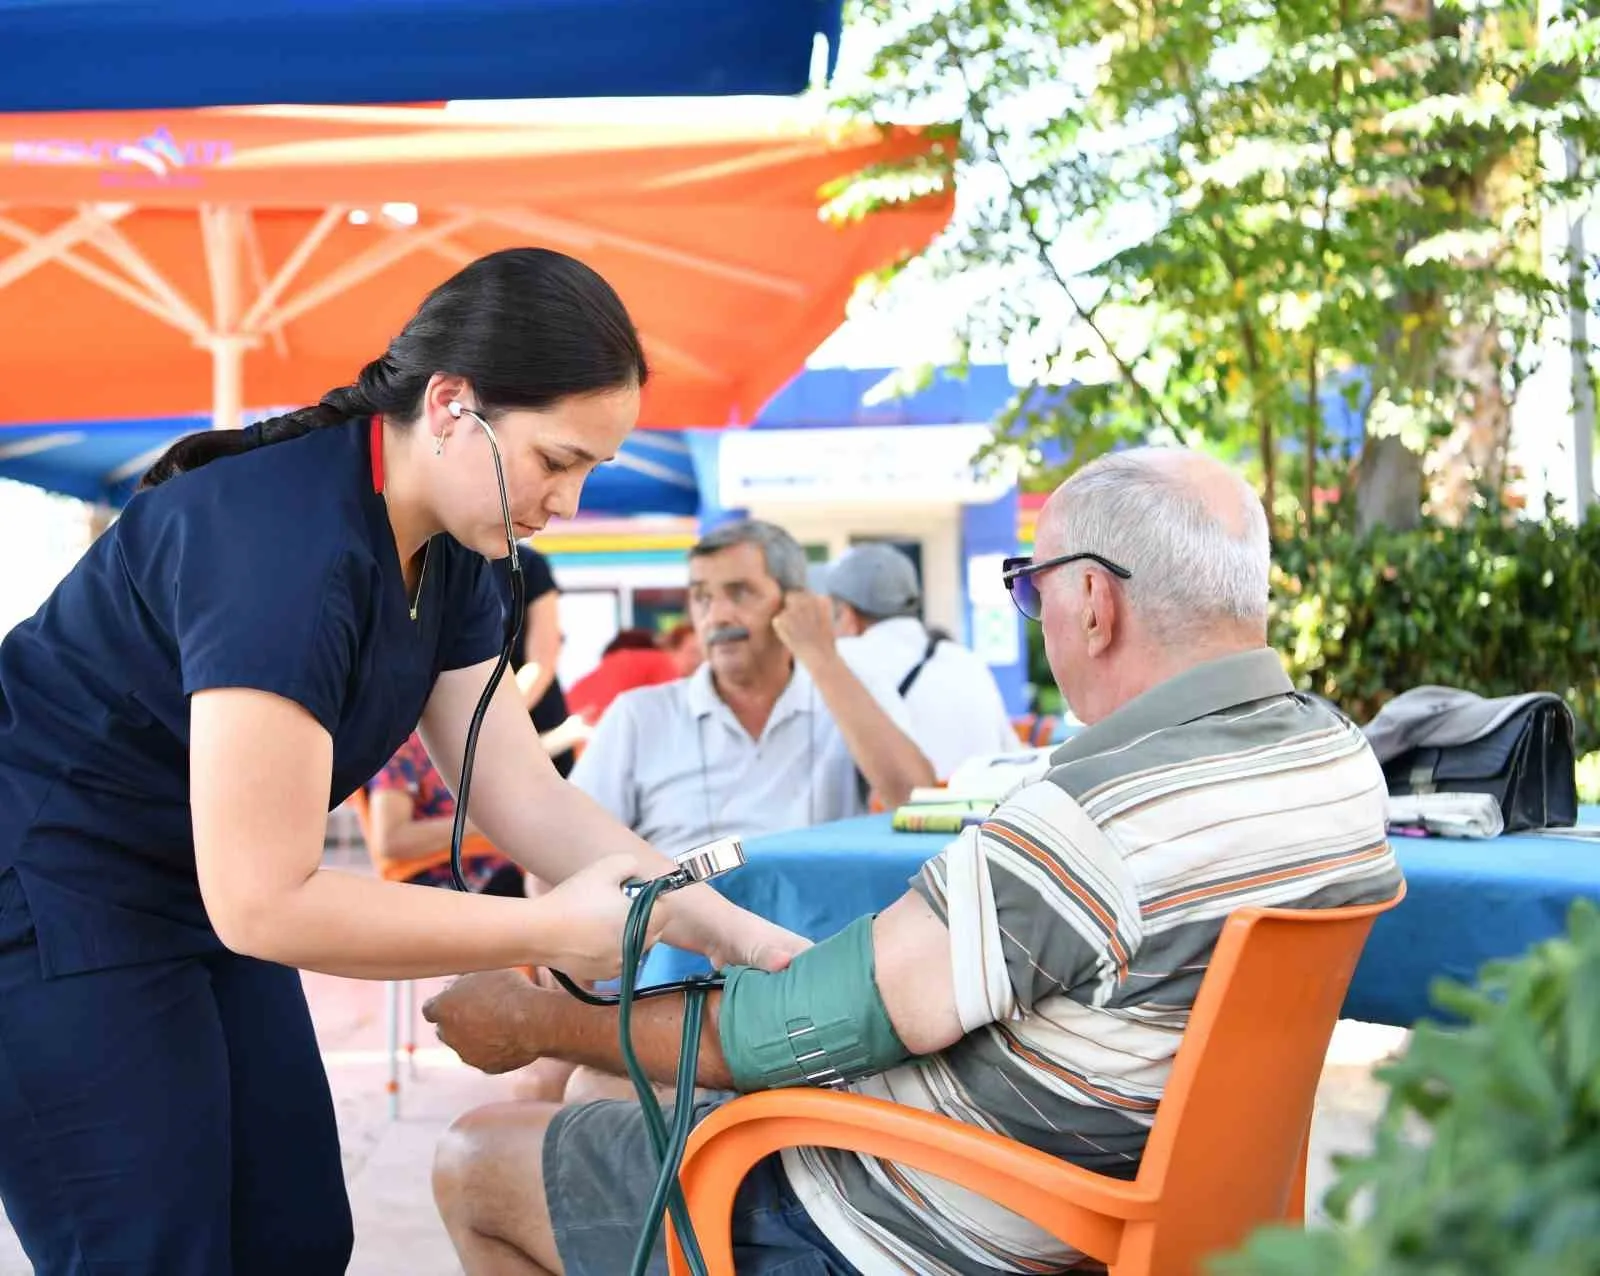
point(1467, 901)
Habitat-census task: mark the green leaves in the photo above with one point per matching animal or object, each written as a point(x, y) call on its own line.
point(1487, 1157)
point(1215, 208)
point(1360, 618)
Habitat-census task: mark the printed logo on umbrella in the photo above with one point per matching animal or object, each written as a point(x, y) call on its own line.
point(159, 155)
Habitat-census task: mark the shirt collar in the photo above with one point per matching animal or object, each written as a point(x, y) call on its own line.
point(798, 696)
point(1205, 689)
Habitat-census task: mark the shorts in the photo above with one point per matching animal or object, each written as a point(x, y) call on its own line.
point(600, 1171)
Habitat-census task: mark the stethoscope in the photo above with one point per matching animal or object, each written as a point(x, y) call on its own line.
point(698, 865)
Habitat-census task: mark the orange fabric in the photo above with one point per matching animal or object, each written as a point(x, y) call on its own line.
point(391, 870)
point(712, 236)
point(1227, 1153)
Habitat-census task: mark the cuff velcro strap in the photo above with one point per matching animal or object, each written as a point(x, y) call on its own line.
point(821, 1022)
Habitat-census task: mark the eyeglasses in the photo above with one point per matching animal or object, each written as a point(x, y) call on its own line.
point(1019, 575)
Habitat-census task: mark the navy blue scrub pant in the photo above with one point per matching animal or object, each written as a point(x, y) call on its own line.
point(165, 1119)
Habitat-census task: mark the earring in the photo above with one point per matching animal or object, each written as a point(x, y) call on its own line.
point(438, 445)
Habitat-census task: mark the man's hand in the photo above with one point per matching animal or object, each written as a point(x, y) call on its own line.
point(489, 1019)
point(805, 626)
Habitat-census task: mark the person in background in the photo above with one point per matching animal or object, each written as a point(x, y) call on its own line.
point(412, 815)
point(683, 645)
point(955, 706)
point(775, 731)
point(535, 661)
point(631, 659)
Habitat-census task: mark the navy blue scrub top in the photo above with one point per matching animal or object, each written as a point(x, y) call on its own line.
point(276, 570)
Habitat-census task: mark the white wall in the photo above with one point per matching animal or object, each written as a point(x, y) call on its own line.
point(936, 524)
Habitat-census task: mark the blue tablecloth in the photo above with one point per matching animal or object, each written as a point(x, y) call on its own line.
point(1467, 902)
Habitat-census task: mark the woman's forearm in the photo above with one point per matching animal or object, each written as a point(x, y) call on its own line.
point(333, 922)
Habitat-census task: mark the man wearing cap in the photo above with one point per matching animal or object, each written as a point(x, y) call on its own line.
point(775, 731)
point(955, 706)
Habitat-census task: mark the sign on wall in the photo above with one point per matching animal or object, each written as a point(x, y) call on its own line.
point(888, 464)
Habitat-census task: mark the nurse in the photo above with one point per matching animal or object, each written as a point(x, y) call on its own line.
point(255, 636)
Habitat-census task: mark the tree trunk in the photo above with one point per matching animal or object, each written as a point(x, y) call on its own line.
point(1388, 485)
point(1473, 458)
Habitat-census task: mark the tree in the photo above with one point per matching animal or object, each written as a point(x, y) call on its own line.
point(1215, 215)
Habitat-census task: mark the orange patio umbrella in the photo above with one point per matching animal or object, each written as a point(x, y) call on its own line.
point(163, 263)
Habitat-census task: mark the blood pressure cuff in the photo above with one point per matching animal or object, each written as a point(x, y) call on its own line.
point(821, 1022)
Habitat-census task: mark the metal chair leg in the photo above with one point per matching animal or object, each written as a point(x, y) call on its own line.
point(392, 989)
point(411, 1023)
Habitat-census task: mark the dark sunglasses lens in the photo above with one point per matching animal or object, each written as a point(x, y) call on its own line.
point(1025, 593)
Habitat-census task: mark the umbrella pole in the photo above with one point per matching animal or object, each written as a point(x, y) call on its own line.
point(227, 381)
point(222, 232)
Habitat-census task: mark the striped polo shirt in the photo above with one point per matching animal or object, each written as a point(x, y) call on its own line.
point(1082, 915)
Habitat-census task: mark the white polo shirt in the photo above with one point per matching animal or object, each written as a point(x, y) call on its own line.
point(956, 708)
point(673, 764)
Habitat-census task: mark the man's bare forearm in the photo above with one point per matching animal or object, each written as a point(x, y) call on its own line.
point(887, 756)
point(566, 1028)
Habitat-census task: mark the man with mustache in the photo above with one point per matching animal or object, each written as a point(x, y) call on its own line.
point(774, 731)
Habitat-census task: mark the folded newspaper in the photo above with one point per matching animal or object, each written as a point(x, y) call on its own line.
point(1447, 814)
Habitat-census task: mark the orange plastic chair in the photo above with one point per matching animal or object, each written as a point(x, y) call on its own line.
point(1023, 726)
point(1044, 730)
point(1227, 1152)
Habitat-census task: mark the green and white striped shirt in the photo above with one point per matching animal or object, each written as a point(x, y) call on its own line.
point(1082, 916)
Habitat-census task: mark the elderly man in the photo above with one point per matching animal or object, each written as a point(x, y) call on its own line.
point(773, 732)
point(955, 707)
point(1038, 976)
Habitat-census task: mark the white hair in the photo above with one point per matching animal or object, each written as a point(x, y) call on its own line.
point(1194, 560)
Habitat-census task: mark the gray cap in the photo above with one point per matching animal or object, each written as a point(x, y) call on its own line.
point(877, 580)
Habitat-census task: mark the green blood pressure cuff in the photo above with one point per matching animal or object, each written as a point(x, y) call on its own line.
point(821, 1022)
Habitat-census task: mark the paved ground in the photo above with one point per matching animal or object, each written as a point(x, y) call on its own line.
point(387, 1161)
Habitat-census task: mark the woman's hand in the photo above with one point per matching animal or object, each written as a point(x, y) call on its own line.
point(704, 922)
point(587, 913)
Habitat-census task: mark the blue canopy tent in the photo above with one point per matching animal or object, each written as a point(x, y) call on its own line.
point(102, 461)
point(64, 55)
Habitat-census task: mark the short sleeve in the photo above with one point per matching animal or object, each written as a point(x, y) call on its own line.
point(248, 612)
point(475, 611)
point(606, 768)
point(1037, 902)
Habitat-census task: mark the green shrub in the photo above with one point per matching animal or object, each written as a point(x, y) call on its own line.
point(1487, 1157)
point(1490, 607)
point(1589, 779)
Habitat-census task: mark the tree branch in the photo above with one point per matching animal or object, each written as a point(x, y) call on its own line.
point(978, 113)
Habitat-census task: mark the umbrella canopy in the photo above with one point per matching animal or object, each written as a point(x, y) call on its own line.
point(113, 54)
point(169, 264)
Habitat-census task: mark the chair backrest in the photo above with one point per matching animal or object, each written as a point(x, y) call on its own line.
point(1226, 1146)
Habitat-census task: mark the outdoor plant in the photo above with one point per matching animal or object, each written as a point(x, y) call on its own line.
point(1487, 1157)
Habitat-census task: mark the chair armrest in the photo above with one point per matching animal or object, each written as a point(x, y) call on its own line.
point(1080, 1208)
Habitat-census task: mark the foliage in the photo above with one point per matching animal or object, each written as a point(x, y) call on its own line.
point(1589, 779)
point(1491, 607)
point(1487, 1157)
point(1209, 215)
